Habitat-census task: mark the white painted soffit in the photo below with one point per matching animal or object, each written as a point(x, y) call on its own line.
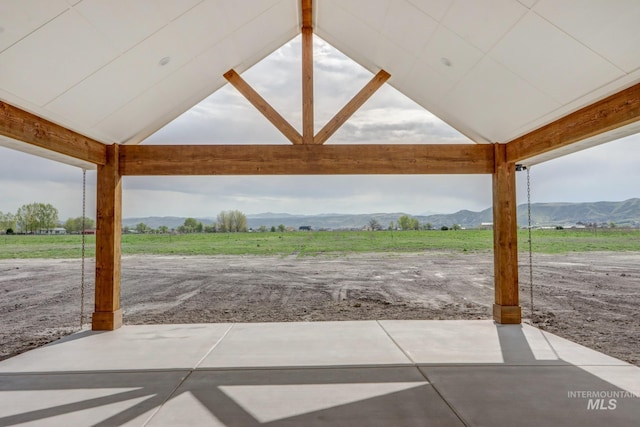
point(493, 69)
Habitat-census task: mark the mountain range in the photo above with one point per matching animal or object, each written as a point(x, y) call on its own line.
point(625, 213)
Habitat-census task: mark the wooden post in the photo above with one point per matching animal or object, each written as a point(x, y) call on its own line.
point(108, 315)
point(506, 308)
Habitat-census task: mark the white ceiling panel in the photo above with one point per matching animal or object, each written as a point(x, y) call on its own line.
point(171, 9)
point(125, 23)
point(123, 79)
point(202, 27)
point(528, 3)
point(425, 85)
point(450, 55)
point(391, 58)
point(18, 18)
point(240, 13)
point(135, 116)
point(434, 8)
point(178, 91)
point(347, 33)
point(483, 23)
point(493, 101)
point(408, 26)
point(54, 58)
point(265, 33)
point(219, 59)
point(371, 13)
point(553, 62)
point(610, 27)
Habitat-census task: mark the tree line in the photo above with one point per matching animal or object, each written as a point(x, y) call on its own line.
point(39, 218)
point(405, 223)
point(232, 221)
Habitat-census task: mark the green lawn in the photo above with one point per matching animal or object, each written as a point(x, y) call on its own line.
point(314, 243)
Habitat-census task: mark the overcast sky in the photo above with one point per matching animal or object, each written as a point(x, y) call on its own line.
point(607, 172)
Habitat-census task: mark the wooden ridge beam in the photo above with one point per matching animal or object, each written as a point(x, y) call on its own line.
point(25, 127)
point(613, 112)
point(351, 107)
point(306, 159)
point(263, 106)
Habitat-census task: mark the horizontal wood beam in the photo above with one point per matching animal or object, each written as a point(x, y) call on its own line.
point(306, 159)
point(30, 129)
point(263, 106)
point(351, 107)
point(618, 110)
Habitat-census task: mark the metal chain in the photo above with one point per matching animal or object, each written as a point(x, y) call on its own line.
point(530, 241)
point(84, 206)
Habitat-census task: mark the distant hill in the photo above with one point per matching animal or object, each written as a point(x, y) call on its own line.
point(626, 213)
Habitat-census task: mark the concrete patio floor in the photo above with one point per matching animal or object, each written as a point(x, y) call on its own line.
point(367, 373)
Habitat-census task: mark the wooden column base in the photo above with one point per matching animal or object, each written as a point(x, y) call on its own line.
point(106, 320)
point(507, 314)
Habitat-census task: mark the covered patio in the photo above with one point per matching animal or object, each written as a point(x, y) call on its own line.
point(86, 82)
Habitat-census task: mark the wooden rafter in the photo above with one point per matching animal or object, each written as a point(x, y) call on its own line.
point(306, 159)
point(22, 126)
point(613, 112)
point(264, 107)
point(351, 107)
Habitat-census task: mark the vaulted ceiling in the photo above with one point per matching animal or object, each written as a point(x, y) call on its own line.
point(119, 70)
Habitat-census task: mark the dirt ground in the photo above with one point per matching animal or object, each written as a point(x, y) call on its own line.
point(589, 298)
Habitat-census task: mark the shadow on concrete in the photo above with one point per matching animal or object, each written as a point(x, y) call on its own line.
point(531, 393)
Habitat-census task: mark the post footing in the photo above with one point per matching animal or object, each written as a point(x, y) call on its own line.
point(106, 320)
point(507, 314)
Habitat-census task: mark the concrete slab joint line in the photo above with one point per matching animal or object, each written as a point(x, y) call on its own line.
point(214, 346)
point(408, 356)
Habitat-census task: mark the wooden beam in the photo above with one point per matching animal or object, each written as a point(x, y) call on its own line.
point(305, 159)
point(22, 126)
point(307, 13)
point(351, 107)
point(307, 86)
point(307, 73)
point(506, 308)
point(617, 110)
point(108, 315)
point(263, 106)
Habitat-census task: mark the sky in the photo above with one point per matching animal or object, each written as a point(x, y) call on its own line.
point(607, 172)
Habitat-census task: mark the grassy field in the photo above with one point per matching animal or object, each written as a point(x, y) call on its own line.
point(314, 243)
